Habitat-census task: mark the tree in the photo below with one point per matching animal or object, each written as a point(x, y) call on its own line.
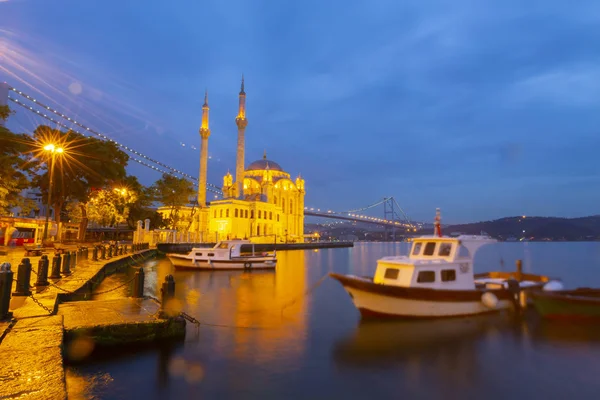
point(174, 193)
point(86, 164)
point(5, 112)
point(141, 208)
point(15, 154)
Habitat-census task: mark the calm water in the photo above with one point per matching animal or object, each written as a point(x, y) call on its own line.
point(273, 341)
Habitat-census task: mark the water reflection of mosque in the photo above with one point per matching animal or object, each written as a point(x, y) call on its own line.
point(268, 307)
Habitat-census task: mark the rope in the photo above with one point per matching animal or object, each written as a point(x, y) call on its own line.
point(306, 293)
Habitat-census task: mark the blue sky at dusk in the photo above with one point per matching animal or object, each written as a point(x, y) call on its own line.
point(485, 109)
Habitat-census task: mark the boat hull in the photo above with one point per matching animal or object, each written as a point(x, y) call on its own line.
point(568, 305)
point(243, 263)
point(386, 301)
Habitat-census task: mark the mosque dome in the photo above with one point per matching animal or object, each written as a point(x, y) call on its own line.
point(261, 165)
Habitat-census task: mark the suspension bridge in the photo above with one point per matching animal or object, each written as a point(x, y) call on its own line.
point(394, 217)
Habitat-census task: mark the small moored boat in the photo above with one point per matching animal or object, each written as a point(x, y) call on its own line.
point(436, 280)
point(225, 255)
point(578, 304)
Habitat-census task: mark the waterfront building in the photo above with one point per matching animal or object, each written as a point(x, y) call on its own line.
point(261, 203)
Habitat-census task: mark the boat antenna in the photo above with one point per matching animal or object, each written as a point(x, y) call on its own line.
point(437, 225)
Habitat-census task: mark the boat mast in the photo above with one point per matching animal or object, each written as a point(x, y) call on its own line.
point(437, 230)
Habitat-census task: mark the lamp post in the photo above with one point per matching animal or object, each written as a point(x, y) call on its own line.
point(53, 151)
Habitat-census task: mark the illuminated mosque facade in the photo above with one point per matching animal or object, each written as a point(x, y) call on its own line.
point(260, 203)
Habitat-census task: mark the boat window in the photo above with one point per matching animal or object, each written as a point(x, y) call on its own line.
point(210, 254)
point(223, 246)
point(198, 254)
point(391, 273)
point(429, 249)
point(445, 249)
point(426, 276)
point(448, 275)
point(416, 249)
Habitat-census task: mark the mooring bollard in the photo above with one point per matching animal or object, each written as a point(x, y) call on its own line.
point(56, 261)
point(519, 274)
point(42, 275)
point(23, 278)
point(95, 253)
point(168, 292)
point(138, 283)
point(103, 252)
point(66, 267)
point(6, 279)
point(73, 259)
point(110, 251)
point(125, 249)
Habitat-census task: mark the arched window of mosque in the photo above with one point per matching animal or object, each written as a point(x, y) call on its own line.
point(245, 213)
point(227, 213)
point(257, 230)
point(259, 214)
point(291, 206)
point(236, 213)
point(277, 217)
point(220, 213)
point(271, 215)
point(252, 214)
point(275, 200)
point(282, 206)
point(215, 214)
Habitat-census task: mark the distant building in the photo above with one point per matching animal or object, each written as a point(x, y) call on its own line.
point(261, 203)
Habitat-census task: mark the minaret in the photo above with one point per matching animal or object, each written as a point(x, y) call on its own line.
point(241, 122)
point(204, 134)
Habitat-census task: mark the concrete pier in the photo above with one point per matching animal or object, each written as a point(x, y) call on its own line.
point(46, 326)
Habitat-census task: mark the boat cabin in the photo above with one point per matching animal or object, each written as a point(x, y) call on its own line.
point(225, 249)
point(433, 262)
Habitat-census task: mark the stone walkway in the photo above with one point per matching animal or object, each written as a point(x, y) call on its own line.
point(32, 358)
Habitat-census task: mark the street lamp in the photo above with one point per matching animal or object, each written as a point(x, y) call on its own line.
point(54, 150)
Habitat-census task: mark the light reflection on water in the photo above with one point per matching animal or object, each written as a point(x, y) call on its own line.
point(317, 348)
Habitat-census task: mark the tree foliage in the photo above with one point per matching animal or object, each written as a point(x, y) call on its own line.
point(174, 193)
point(106, 207)
point(86, 164)
point(15, 168)
point(5, 112)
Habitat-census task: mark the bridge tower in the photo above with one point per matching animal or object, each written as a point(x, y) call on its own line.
point(390, 215)
point(241, 123)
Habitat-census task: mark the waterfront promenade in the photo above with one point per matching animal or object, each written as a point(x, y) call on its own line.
point(42, 331)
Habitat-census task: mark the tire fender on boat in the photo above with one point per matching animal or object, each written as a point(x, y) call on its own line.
point(247, 265)
point(489, 300)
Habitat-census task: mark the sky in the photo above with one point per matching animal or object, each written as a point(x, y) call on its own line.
point(484, 109)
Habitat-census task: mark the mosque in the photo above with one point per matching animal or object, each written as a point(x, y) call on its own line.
point(260, 203)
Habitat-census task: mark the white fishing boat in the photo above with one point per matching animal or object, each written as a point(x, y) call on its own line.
point(225, 255)
point(436, 280)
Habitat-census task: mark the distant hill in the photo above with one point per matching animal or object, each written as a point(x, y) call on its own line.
point(536, 228)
